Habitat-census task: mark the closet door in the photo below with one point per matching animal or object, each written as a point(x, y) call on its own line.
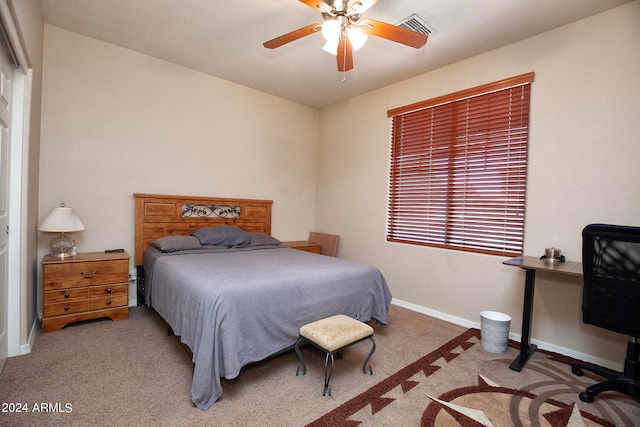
point(6, 78)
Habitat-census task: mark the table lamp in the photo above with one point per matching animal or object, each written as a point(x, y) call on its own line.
point(62, 220)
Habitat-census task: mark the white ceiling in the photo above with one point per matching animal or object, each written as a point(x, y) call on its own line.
point(224, 38)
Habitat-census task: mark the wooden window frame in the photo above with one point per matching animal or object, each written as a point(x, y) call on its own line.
point(458, 169)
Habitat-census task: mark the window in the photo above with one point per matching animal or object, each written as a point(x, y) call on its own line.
point(459, 167)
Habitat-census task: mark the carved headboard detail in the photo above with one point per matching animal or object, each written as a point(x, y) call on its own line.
point(159, 215)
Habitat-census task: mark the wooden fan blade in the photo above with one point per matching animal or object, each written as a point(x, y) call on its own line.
point(317, 5)
point(393, 33)
point(345, 55)
point(292, 36)
point(366, 4)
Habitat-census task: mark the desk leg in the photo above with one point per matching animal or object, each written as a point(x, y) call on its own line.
point(526, 348)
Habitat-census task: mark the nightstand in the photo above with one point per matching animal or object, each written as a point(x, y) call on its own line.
point(87, 286)
point(303, 245)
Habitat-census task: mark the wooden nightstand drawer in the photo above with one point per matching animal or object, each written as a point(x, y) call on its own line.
point(108, 302)
point(76, 306)
point(79, 274)
point(64, 295)
point(84, 287)
point(106, 290)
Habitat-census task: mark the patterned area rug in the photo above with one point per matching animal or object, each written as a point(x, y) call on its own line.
point(462, 384)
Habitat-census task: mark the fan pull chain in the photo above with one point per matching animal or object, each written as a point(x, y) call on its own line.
point(344, 61)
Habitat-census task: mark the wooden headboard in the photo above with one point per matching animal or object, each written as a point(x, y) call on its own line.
point(159, 215)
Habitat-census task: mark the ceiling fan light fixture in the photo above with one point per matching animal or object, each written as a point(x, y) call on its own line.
point(344, 33)
point(331, 30)
point(356, 37)
point(331, 46)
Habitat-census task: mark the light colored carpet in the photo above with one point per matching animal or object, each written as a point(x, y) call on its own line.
point(131, 373)
point(106, 373)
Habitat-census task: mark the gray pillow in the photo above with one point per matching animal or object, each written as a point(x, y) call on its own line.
point(261, 239)
point(222, 235)
point(176, 243)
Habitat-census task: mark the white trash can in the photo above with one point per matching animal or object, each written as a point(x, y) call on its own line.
point(494, 331)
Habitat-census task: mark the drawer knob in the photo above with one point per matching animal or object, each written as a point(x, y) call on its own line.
point(66, 295)
point(88, 276)
point(66, 308)
point(108, 290)
point(109, 302)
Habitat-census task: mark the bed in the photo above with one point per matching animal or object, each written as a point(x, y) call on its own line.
point(231, 292)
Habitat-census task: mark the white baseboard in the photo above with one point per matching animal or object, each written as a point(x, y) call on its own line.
point(26, 348)
point(516, 337)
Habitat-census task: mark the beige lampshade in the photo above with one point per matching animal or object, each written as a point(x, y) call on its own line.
point(61, 219)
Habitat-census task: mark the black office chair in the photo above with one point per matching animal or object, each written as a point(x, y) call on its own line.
point(611, 300)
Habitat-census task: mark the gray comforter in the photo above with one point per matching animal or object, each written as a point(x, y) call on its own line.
point(235, 307)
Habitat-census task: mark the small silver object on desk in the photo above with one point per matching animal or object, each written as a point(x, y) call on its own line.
point(552, 255)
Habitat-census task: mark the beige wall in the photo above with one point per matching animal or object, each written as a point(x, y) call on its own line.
point(117, 122)
point(583, 168)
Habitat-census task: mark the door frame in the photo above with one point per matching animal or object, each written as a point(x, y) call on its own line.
point(16, 256)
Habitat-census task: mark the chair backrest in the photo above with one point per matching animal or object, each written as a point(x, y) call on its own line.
point(328, 242)
point(611, 266)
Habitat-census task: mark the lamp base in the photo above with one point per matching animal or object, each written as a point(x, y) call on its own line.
point(63, 246)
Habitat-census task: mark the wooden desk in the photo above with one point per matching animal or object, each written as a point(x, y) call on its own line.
point(531, 265)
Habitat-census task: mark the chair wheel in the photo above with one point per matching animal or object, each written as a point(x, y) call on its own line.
point(577, 371)
point(585, 397)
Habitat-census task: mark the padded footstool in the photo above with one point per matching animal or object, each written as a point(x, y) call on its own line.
point(332, 335)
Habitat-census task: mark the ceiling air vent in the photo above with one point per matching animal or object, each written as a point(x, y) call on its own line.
point(416, 24)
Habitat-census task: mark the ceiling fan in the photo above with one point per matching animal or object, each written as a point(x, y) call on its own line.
point(345, 32)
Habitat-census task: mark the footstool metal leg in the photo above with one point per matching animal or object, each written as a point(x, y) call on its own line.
point(304, 366)
point(364, 367)
point(327, 375)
